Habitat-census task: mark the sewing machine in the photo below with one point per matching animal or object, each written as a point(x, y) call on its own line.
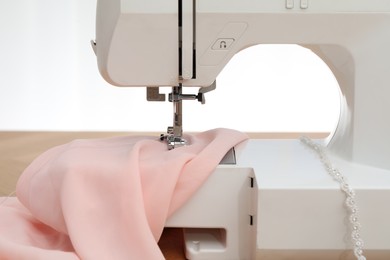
point(274, 199)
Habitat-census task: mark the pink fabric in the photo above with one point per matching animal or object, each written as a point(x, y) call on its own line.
point(105, 198)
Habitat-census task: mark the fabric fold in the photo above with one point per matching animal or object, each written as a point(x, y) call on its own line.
point(106, 198)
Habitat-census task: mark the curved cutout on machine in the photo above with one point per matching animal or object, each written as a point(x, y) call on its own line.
point(294, 72)
point(342, 65)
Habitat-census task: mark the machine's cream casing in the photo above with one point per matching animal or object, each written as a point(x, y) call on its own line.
point(188, 42)
point(138, 43)
point(278, 202)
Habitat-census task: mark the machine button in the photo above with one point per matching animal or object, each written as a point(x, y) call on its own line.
point(223, 44)
point(289, 4)
point(217, 50)
point(304, 4)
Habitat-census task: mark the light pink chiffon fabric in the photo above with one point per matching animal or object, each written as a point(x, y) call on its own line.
point(105, 198)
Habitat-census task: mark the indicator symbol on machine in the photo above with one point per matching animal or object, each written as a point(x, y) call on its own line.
point(223, 44)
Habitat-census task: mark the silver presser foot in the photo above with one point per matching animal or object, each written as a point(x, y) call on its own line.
point(174, 135)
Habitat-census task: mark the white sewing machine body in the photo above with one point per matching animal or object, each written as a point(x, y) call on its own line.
point(278, 202)
point(296, 206)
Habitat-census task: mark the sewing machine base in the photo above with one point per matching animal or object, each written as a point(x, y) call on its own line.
point(278, 202)
point(320, 254)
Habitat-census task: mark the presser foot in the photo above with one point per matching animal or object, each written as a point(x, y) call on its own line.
point(173, 141)
point(174, 134)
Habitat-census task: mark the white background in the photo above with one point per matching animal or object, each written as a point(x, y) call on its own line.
point(49, 81)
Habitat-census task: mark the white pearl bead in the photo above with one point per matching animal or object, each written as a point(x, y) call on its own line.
point(349, 193)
